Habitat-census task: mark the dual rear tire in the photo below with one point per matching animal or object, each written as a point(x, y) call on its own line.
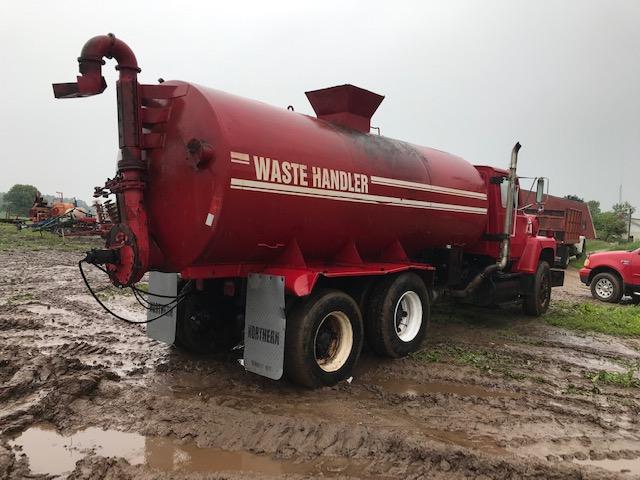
point(207, 323)
point(398, 315)
point(323, 339)
point(325, 331)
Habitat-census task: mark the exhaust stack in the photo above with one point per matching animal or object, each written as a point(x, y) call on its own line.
point(506, 235)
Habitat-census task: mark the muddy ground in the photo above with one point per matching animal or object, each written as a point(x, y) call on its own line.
point(493, 395)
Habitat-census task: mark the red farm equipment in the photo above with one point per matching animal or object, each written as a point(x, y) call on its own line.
point(300, 235)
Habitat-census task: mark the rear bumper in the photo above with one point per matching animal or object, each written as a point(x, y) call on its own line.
point(557, 277)
point(584, 275)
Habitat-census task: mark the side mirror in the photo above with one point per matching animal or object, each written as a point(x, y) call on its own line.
point(540, 190)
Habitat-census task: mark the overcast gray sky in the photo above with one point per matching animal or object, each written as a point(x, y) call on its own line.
point(469, 77)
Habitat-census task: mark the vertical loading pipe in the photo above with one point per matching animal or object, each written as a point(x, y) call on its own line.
point(131, 237)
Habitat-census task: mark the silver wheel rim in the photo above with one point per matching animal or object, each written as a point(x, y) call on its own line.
point(408, 316)
point(604, 288)
point(333, 341)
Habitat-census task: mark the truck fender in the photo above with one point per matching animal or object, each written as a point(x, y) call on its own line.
point(536, 249)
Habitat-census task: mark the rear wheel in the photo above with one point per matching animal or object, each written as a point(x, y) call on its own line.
point(606, 287)
point(536, 301)
point(206, 324)
point(323, 339)
point(397, 315)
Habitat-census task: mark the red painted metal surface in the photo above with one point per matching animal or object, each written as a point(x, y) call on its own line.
point(625, 263)
point(300, 280)
point(228, 212)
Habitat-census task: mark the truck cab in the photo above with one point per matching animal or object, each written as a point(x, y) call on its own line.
point(527, 247)
point(612, 275)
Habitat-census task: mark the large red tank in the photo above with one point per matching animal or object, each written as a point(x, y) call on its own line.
point(277, 176)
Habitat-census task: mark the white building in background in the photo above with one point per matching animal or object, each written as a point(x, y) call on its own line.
point(635, 228)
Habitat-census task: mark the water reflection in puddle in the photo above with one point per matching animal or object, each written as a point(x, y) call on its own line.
point(49, 452)
point(52, 453)
point(620, 465)
point(406, 387)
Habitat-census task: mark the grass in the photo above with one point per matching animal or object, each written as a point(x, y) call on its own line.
point(627, 379)
point(21, 297)
point(617, 320)
point(12, 239)
point(485, 360)
point(110, 292)
point(599, 245)
point(427, 356)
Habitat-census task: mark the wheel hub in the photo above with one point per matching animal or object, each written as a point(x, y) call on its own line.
point(333, 341)
point(408, 316)
point(604, 288)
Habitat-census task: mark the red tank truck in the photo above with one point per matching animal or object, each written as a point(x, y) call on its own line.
point(302, 235)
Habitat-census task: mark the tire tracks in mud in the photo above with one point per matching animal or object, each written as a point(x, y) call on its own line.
point(63, 361)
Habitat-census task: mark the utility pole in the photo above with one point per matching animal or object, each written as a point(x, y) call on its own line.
point(629, 229)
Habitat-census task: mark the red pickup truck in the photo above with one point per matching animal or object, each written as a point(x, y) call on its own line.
point(612, 275)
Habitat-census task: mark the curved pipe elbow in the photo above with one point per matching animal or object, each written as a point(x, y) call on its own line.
point(91, 82)
point(109, 46)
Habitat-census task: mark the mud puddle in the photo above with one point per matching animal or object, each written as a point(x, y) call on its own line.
point(49, 452)
point(630, 467)
point(408, 387)
point(462, 439)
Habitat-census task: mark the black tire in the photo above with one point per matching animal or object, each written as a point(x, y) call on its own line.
point(204, 325)
point(537, 300)
point(606, 287)
point(323, 339)
point(635, 299)
point(389, 303)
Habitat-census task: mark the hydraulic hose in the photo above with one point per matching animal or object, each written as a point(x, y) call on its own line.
point(178, 299)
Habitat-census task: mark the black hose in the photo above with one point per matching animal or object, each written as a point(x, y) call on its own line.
point(145, 303)
point(178, 300)
point(133, 287)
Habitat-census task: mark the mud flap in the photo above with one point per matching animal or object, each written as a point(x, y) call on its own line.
point(557, 277)
point(264, 326)
point(164, 328)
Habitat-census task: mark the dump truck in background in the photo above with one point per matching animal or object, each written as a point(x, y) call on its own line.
point(568, 221)
point(300, 237)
